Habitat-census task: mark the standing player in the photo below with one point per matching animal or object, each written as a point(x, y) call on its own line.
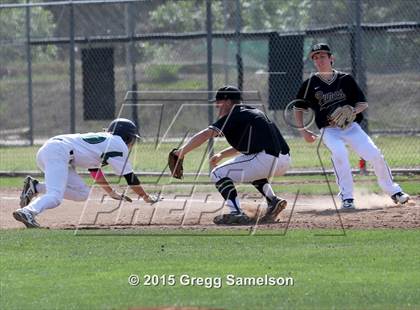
point(59, 157)
point(324, 92)
point(263, 153)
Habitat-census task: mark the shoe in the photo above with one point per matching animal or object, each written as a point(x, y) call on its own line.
point(400, 198)
point(348, 204)
point(26, 217)
point(275, 206)
point(232, 218)
point(28, 192)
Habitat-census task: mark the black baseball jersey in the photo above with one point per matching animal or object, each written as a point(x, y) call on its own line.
point(323, 96)
point(249, 131)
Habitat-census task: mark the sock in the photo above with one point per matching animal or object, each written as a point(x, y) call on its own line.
point(264, 188)
point(234, 205)
point(228, 191)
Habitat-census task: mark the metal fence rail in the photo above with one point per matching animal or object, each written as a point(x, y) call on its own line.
point(134, 45)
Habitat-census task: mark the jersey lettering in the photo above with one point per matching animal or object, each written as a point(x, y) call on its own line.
point(323, 97)
point(327, 99)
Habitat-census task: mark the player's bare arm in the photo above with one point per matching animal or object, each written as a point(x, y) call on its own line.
point(308, 135)
point(360, 107)
point(134, 183)
point(228, 152)
point(197, 140)
point(139, 190)
point(104, 184)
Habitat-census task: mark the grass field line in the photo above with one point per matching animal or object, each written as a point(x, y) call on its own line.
point(304, 172)
point(164, 200)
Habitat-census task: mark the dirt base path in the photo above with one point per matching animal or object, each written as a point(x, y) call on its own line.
point(198, 211)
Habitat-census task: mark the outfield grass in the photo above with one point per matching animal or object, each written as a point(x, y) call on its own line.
point(307, 185)
point(399, 152)
point(375, 269)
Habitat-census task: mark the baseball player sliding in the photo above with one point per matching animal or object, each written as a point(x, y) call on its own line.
point(338, 103)
point(261, 152)
point(59, 157)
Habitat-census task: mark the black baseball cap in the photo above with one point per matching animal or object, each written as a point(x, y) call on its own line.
point(319, 47)
point(228, 92)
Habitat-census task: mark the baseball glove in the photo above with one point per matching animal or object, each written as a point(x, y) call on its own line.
point(175, 165)
point(342, 117)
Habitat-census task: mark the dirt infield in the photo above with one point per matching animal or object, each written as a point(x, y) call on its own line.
point(198, 210)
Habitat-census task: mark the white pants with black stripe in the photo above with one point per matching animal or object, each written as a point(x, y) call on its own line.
point(248, 168)
point(336, 139)
point(61, 180)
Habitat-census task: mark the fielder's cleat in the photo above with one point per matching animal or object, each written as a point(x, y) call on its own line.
point(26, 217)
point(232, 218)
point(348, 204)
point(400, 198)
point(275, 206)
point(28, 192)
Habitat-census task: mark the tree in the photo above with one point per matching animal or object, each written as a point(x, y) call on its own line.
point(13, 33)
point(189, 15)
point(184, 16)
point(275, 15)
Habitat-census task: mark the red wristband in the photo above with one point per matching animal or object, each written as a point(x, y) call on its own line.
point(96, 174)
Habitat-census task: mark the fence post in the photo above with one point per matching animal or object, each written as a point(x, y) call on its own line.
point(72, 70)
point(209, 26)
point(127, 49)
point(225, 43)
point(130, 61)
point(238, 29)
point(29, 72)
point(358, 68)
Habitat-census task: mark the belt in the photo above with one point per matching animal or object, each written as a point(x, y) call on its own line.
point(71, 157)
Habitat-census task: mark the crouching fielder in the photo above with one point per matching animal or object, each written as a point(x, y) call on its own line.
point(261, 153)
point(58, 159)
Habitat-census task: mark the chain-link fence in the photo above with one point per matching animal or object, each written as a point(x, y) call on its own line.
point(66, 67)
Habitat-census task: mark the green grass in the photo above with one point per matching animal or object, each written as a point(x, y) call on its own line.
point(45, 269)
point(146, 157)
point(399, 152)
point(307, 185)
point(176, 85)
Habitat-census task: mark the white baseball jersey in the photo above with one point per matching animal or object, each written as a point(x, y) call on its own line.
point(94, 150)
point(59, 156)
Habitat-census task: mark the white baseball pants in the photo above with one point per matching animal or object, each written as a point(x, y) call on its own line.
point(61, 179)
point(336, 139)
point(248, 168)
